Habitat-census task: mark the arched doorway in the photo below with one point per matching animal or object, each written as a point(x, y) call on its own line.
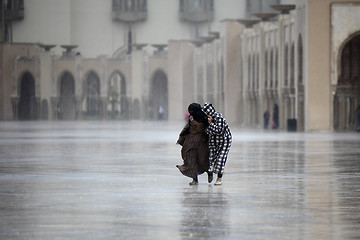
point(158, 99)
point(91, 101)
point(27, 109)
point(117, 101)
point(347, 96)
point(66, 107)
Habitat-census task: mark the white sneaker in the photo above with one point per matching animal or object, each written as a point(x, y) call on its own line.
point(218, 183)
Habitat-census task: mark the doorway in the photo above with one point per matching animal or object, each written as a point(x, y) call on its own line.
point(27, 109)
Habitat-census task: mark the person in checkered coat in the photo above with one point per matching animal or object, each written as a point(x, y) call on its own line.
point(219, 142)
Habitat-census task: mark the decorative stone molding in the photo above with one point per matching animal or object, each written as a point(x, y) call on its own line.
point(47, 47)
point(139, 46)
point(265, 17)
point(68, 49)
point(284, 8)
point(248, 22)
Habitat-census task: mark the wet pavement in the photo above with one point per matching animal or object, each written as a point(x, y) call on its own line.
point(118, 180)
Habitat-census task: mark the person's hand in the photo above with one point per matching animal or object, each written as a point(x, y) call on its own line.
point(191, 118)
point(209, 119)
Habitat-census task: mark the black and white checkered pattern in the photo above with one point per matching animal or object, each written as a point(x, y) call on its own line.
point(219, 139)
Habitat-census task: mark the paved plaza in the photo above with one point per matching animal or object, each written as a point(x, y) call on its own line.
point(118, 180)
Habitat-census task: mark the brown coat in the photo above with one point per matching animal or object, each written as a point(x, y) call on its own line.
point(195, 150)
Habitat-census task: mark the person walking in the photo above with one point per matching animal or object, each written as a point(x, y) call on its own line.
point(357, 117)
point(161, 112)
point(219, 142)
point(266, 119)
point(194, 142)
point(275, 122)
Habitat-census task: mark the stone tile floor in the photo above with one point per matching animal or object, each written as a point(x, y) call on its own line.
point(118, 180)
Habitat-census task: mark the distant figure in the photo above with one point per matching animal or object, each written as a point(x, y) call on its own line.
point(219, 142)
point(161, 113)
point(266, 119)
point(194, 142)
point(275, 122)
point(357, 116)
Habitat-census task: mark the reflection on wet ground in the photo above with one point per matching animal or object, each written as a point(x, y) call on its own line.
point(118, 180)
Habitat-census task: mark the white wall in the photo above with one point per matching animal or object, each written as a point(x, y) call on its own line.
point(92, 27)
point(228, 9)
point(89, 24)
point(45, 21)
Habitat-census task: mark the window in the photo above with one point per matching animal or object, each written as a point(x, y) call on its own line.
point(144, 5)
point(114, 5)
point(129, 10)
point(182, 6)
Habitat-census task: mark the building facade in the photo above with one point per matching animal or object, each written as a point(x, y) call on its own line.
point(105, 27)
point(299, 62)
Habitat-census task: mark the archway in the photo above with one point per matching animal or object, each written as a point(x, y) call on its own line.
point(91, 101)
point(27, 109)
point(158, 99)
point(347, 96)
point(66, 108)
point(117, 101)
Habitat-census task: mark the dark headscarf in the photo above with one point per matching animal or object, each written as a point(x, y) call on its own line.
point(198, 115)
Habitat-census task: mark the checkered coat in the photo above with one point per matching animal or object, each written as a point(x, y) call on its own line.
point(219, 139)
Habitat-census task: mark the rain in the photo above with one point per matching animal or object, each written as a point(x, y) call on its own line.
point(94, 95)
point(111, 180)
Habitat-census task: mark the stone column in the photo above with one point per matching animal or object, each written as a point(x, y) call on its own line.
point(38, 108)
point(78, 108)
point(15, 106)
point(103, 111)
point(54, 107)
